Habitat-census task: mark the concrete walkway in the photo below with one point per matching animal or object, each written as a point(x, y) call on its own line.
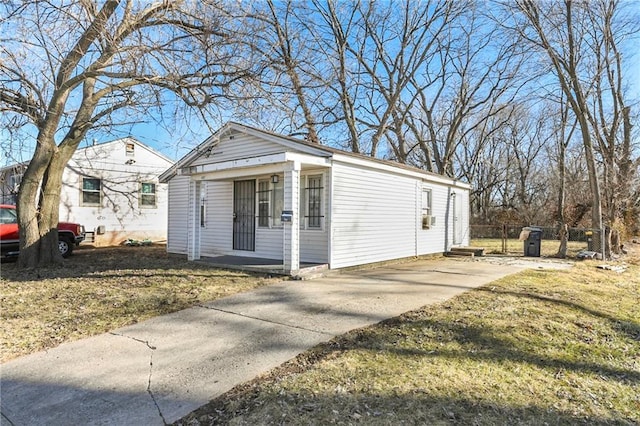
point(157, 371)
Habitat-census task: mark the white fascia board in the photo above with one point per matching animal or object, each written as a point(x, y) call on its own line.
point(306, 159)
point(253, 162)
point(402, 171)
point(236, 164)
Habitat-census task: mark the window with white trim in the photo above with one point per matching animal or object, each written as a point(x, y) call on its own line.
point(277, 200)
point(264, 203)
point(91, 192)
point(130, 149)
point(427, 220)
point(147, 195)
point(313, 202)
point(270, 199)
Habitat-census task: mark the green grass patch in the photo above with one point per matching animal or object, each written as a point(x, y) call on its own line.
point(540, 347)
point(98, 290)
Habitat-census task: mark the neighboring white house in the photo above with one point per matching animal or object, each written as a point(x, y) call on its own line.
point(247, 192)
point(112, 189)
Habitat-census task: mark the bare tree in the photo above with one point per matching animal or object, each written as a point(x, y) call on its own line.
point(474, 78)
point(280, 36)
point(563, 129)
point(68, 68)
point(579, 41)
point(333, 43)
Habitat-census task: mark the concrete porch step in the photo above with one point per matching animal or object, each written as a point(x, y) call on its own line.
point(311, 272)
point(465, 252)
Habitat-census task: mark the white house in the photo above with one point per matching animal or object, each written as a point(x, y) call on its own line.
point(248, 192)
point(112, 189)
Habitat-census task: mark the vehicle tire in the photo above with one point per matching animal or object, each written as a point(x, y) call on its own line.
point(65, 246)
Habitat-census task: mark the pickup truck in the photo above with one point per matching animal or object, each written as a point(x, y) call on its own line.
point(69, 234)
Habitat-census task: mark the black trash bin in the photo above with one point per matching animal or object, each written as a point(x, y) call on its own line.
point(533, 242)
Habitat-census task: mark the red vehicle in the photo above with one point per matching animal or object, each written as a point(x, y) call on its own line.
point(69, 234)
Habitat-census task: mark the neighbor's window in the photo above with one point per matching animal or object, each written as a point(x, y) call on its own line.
point(91, 192)
point(426, 208)
point(147, 194)
point(314, 201)
point(14, 181)
point(264, 201)
point(277, 200)
point(130, 149)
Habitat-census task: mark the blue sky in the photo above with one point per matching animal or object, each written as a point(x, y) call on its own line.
point(175, 139)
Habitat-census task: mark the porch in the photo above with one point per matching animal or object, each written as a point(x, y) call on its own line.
point(306, 270)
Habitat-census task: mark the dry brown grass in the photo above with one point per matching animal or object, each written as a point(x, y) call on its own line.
point(548, 248)
point(98, 290)
point(540, 347)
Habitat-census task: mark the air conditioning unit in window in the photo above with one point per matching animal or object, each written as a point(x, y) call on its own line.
point(427, 221)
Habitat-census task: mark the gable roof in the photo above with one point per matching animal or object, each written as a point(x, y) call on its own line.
point(126, 140)
point(85, 148)
point(289, 141)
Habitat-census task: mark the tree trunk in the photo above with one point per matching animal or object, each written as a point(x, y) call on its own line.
point(39, 204)
point(564, 237)
point(36, 233)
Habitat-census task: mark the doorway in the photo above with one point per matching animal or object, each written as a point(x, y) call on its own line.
point(244, 212)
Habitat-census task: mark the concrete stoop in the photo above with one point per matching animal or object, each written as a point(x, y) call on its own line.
point(311, 272)
point(465, 252)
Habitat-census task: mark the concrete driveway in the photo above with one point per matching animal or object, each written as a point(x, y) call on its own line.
point(157, 371)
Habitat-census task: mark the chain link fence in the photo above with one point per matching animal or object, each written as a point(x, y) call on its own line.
point(505, 239)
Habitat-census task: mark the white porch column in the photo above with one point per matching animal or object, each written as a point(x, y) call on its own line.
point(193, 237)
point(291, 244)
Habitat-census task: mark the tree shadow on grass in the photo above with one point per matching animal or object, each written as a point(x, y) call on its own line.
point(378, 409)
point(628, 327)
point(478, 341)
point(116, 262)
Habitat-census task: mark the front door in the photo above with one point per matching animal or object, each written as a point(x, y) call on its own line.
point(457, 214)
point(244, 212)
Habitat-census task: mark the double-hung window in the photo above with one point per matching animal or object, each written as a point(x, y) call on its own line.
point(147, 194)
point(427, 220)
point(264, 203)
point(277, 201)
point(270, 201)
point(91, 192)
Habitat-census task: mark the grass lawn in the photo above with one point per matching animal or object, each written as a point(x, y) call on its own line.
point(540, 347)
point(548, 248)
point(98, 290)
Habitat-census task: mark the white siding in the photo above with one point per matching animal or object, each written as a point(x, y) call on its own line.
point(241, 146)
point(314, 246)
point(377, 216)
point(372, 211)
point(374, 216)
point(178, 228)
point(216, 237)
point(120, 212)
point(438, 238)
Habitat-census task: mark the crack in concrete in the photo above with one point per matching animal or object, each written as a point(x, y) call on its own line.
point(6, 419)
point(265, 320)
point(146, 342)
point(150, 392)
point(149, 381)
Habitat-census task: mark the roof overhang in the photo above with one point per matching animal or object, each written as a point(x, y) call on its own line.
point(400, 170)
point(255, 165)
